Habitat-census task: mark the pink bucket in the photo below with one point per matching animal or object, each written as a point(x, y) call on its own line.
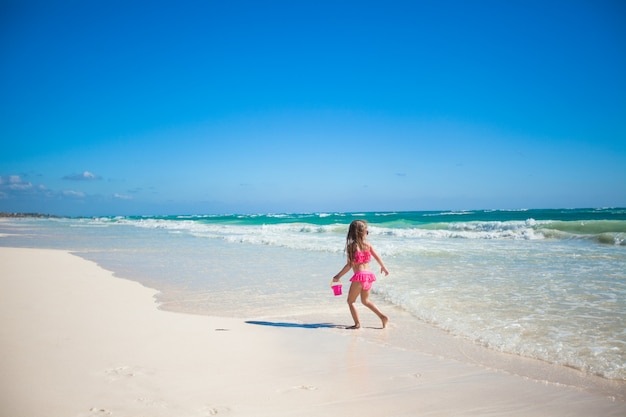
point(337, 289)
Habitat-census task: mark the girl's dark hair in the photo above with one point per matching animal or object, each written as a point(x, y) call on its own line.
point(357, 232)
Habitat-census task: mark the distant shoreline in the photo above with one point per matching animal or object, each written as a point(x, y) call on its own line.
point(28, 215)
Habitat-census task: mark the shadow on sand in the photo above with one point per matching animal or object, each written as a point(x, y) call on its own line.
point(298, 325)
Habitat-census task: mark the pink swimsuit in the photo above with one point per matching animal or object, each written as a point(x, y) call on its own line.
point(366, 278)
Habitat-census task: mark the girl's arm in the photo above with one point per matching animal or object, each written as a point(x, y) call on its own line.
point(343, 271)
point(380, 262)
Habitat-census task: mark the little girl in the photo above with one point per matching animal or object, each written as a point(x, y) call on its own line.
point(359, 255)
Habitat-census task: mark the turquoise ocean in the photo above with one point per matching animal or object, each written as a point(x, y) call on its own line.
point(549, 285)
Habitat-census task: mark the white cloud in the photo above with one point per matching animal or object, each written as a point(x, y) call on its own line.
point(16, 187)
point(22, 186)
point(72, 193)
point(122, 196)
point(85, 176)
point(14, 183)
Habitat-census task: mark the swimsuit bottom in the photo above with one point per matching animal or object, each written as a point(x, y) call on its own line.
point(366, 278)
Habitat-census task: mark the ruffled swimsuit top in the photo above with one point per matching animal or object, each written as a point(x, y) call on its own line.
point(362, 257)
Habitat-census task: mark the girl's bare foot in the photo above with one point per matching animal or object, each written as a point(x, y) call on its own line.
point(385, 320)
point(356, 326)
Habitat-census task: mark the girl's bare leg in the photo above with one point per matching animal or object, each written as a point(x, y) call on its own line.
point(353, 294)
point(365, 299)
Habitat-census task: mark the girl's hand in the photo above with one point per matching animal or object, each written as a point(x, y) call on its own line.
point(384, 270)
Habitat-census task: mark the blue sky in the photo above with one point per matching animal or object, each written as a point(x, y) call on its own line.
point(122, 107)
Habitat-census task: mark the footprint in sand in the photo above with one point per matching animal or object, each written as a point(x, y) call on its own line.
point(96, 411)
point(122, 372)
point(416, 375)
point(152, 403)
point(300, 388)
point(213, 411)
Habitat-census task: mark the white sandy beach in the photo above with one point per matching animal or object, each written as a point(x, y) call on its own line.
point(77, 341)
